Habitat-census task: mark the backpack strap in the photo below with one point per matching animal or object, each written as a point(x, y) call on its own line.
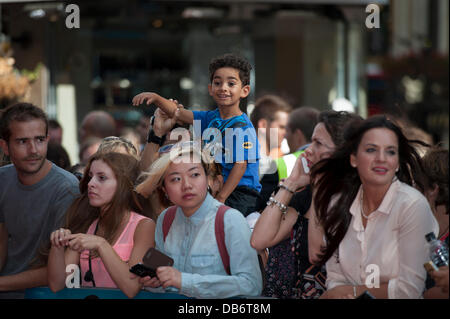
point(220, 237)
point(219, 228)
point(168, 220)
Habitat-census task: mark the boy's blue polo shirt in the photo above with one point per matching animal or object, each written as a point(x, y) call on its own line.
point(239, 137)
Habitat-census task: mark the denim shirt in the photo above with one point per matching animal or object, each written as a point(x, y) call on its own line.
point(192, 244)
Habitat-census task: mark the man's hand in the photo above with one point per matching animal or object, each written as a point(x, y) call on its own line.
point(170, 107)
point(177, 112)
point(163, 123)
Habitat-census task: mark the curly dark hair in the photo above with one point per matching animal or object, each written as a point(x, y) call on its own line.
point(435, 164)
point(234, 61)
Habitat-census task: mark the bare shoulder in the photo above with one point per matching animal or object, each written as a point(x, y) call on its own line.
point(145, 227)
point(145, 223)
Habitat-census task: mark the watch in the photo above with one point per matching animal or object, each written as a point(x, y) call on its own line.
point(152, 138)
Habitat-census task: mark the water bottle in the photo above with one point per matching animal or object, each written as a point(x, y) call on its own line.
point(438, 250)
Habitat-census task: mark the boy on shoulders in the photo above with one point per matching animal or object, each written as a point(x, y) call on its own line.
point(229, 83)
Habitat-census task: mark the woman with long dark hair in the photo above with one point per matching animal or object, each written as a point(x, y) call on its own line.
point(374, 220)
point(284, 224)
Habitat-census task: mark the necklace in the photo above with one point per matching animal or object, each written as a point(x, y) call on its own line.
point(362, 208)
point(89, 275)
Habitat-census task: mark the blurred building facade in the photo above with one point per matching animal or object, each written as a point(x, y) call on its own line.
point(310, 52)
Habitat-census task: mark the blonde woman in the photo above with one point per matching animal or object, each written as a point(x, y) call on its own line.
point(199, 269)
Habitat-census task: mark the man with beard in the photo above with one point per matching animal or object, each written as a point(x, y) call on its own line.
point(34, 196)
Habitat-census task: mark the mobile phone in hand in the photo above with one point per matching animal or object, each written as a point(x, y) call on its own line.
point(305, 165)
point(153, 259)
point(142, 271)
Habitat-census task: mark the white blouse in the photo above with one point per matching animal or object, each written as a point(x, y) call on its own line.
point(391, 249)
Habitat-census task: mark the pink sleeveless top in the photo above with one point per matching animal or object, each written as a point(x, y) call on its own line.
point(123, 247)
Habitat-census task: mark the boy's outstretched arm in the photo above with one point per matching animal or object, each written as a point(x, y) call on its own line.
point(233, 180)
point(167, 106)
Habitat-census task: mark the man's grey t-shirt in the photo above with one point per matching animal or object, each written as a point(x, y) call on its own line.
point(31, 213)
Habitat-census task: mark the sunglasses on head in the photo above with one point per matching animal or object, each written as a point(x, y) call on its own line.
point(117, 138)
point(180, 145)
point(212, 148)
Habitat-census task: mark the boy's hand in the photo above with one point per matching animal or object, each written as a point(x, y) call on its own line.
point(177, 111)
point(172, 108)
point(142, 97)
